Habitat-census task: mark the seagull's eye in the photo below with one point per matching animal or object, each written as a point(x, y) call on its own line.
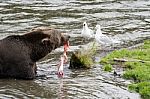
point(83, 24)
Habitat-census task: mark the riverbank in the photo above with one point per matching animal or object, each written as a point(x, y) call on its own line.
point(136, 65)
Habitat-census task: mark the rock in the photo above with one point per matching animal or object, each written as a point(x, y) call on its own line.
point(82, 59)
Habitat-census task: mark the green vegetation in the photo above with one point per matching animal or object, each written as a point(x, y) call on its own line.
point(108, 67)
point(137, 67)
point(143, 88)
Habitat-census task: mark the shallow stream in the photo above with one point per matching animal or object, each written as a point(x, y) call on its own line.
point(126, 20)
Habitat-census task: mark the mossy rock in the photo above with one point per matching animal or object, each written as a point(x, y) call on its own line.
point(82, 59)
point(79, 61)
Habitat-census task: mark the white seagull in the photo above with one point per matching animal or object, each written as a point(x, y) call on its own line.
point(86, 32)
point(103, 39)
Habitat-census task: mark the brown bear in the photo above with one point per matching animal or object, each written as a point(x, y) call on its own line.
point(19, 53)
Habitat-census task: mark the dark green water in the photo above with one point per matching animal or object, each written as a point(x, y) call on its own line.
point(127, 20)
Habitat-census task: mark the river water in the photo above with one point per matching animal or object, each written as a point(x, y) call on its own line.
point(126, 20)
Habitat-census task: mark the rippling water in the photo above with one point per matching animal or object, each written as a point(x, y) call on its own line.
point(126, 20)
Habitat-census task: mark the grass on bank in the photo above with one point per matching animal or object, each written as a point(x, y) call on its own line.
point(107, 67)
point(137, 67)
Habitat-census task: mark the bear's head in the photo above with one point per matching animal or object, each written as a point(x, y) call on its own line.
point(43, 40)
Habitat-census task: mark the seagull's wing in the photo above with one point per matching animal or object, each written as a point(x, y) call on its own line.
point(82, 32)
point(106, 39)
point(116, 41)
point(91, 33)
point(110, 40)
point(98, 39)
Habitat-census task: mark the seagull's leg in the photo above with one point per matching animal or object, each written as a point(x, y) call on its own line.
point(113, 46)
point(83, 40)
point(106, 46)
point(102, 47)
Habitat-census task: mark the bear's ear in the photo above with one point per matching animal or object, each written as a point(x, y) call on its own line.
point(45, 41)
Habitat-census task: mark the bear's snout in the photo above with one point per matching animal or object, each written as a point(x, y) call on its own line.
point(66, 37)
